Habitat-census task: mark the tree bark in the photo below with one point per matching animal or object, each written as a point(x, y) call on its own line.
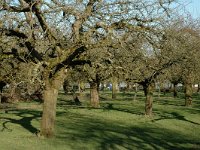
point(148, 91)
point(114, 88)
point(102, 87)
point(2, 84)
point(0, 96)
point(49, 111)
point(188, 94)
point(94, 95)
point(81, 87)
point(198, 89)
point(136, 90)
point(175, 92)
point(66, 86)
point(15, 94)
point(50, 95)
point(159, 91)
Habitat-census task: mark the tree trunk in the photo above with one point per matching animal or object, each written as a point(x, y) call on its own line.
point(50, 95)
point(2, 84)
point(175, 92)
point(114, 88)
point(0, 96)
point(94, 95)
point(188, 94)
point(128, 87)
point(148, 91)
point(102, 87)
point(81, 87)
point(1, 92)
point(14, 93)
point(159, 91)
point(49, 111)
point(66, 86)
point(136, 90)
point(198, 89)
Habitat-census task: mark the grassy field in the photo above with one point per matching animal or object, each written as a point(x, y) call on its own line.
point(119, 124)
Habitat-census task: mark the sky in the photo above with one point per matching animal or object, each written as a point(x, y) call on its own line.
point(193, 6)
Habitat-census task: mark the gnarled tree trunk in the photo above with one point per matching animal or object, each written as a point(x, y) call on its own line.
point(94, 94)
point(50, 95)
point(148, 91)
point(49, 111)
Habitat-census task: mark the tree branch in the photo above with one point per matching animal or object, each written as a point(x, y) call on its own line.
point(16, 9)
point(28, 44)
point(69, 61)
point(43, 23)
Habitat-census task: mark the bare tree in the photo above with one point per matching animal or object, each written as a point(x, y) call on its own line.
point(54, 34)
point(52, 44)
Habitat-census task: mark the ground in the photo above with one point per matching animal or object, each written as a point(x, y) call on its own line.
point(119, 124)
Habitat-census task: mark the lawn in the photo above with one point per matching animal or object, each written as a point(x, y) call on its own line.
point(119, 124)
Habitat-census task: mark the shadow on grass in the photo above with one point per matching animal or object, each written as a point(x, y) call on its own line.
point(106, 105)
point(132, 110)
point(65, 103)
point(174, 115)
point(111, 135)
point(170, 101)
point(196, 100)
point(26, 117)
point(125, 96)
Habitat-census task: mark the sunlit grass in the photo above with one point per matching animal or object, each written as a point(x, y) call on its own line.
point(118, 124)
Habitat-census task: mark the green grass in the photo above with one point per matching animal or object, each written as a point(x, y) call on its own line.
point(118, 125)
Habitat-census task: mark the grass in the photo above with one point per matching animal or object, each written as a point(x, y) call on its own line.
point(119, 124)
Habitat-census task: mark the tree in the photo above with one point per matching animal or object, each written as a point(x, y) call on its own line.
point(96, 72)
point(146, 62)
point(185, 45)
point(53, 34)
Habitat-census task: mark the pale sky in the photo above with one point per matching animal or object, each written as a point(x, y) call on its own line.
point(193, 6)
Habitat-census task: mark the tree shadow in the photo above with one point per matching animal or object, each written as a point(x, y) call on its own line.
point(169, 101)
point(70, 104)
point(174, 115)
point(113, 135)
point(112, 106)
point(196, 100)
point(101, 98)
point(124, 96)
point(26, 117)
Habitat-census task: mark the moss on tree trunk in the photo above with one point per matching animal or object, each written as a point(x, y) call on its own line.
point(50, 95)
point(49, 111)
